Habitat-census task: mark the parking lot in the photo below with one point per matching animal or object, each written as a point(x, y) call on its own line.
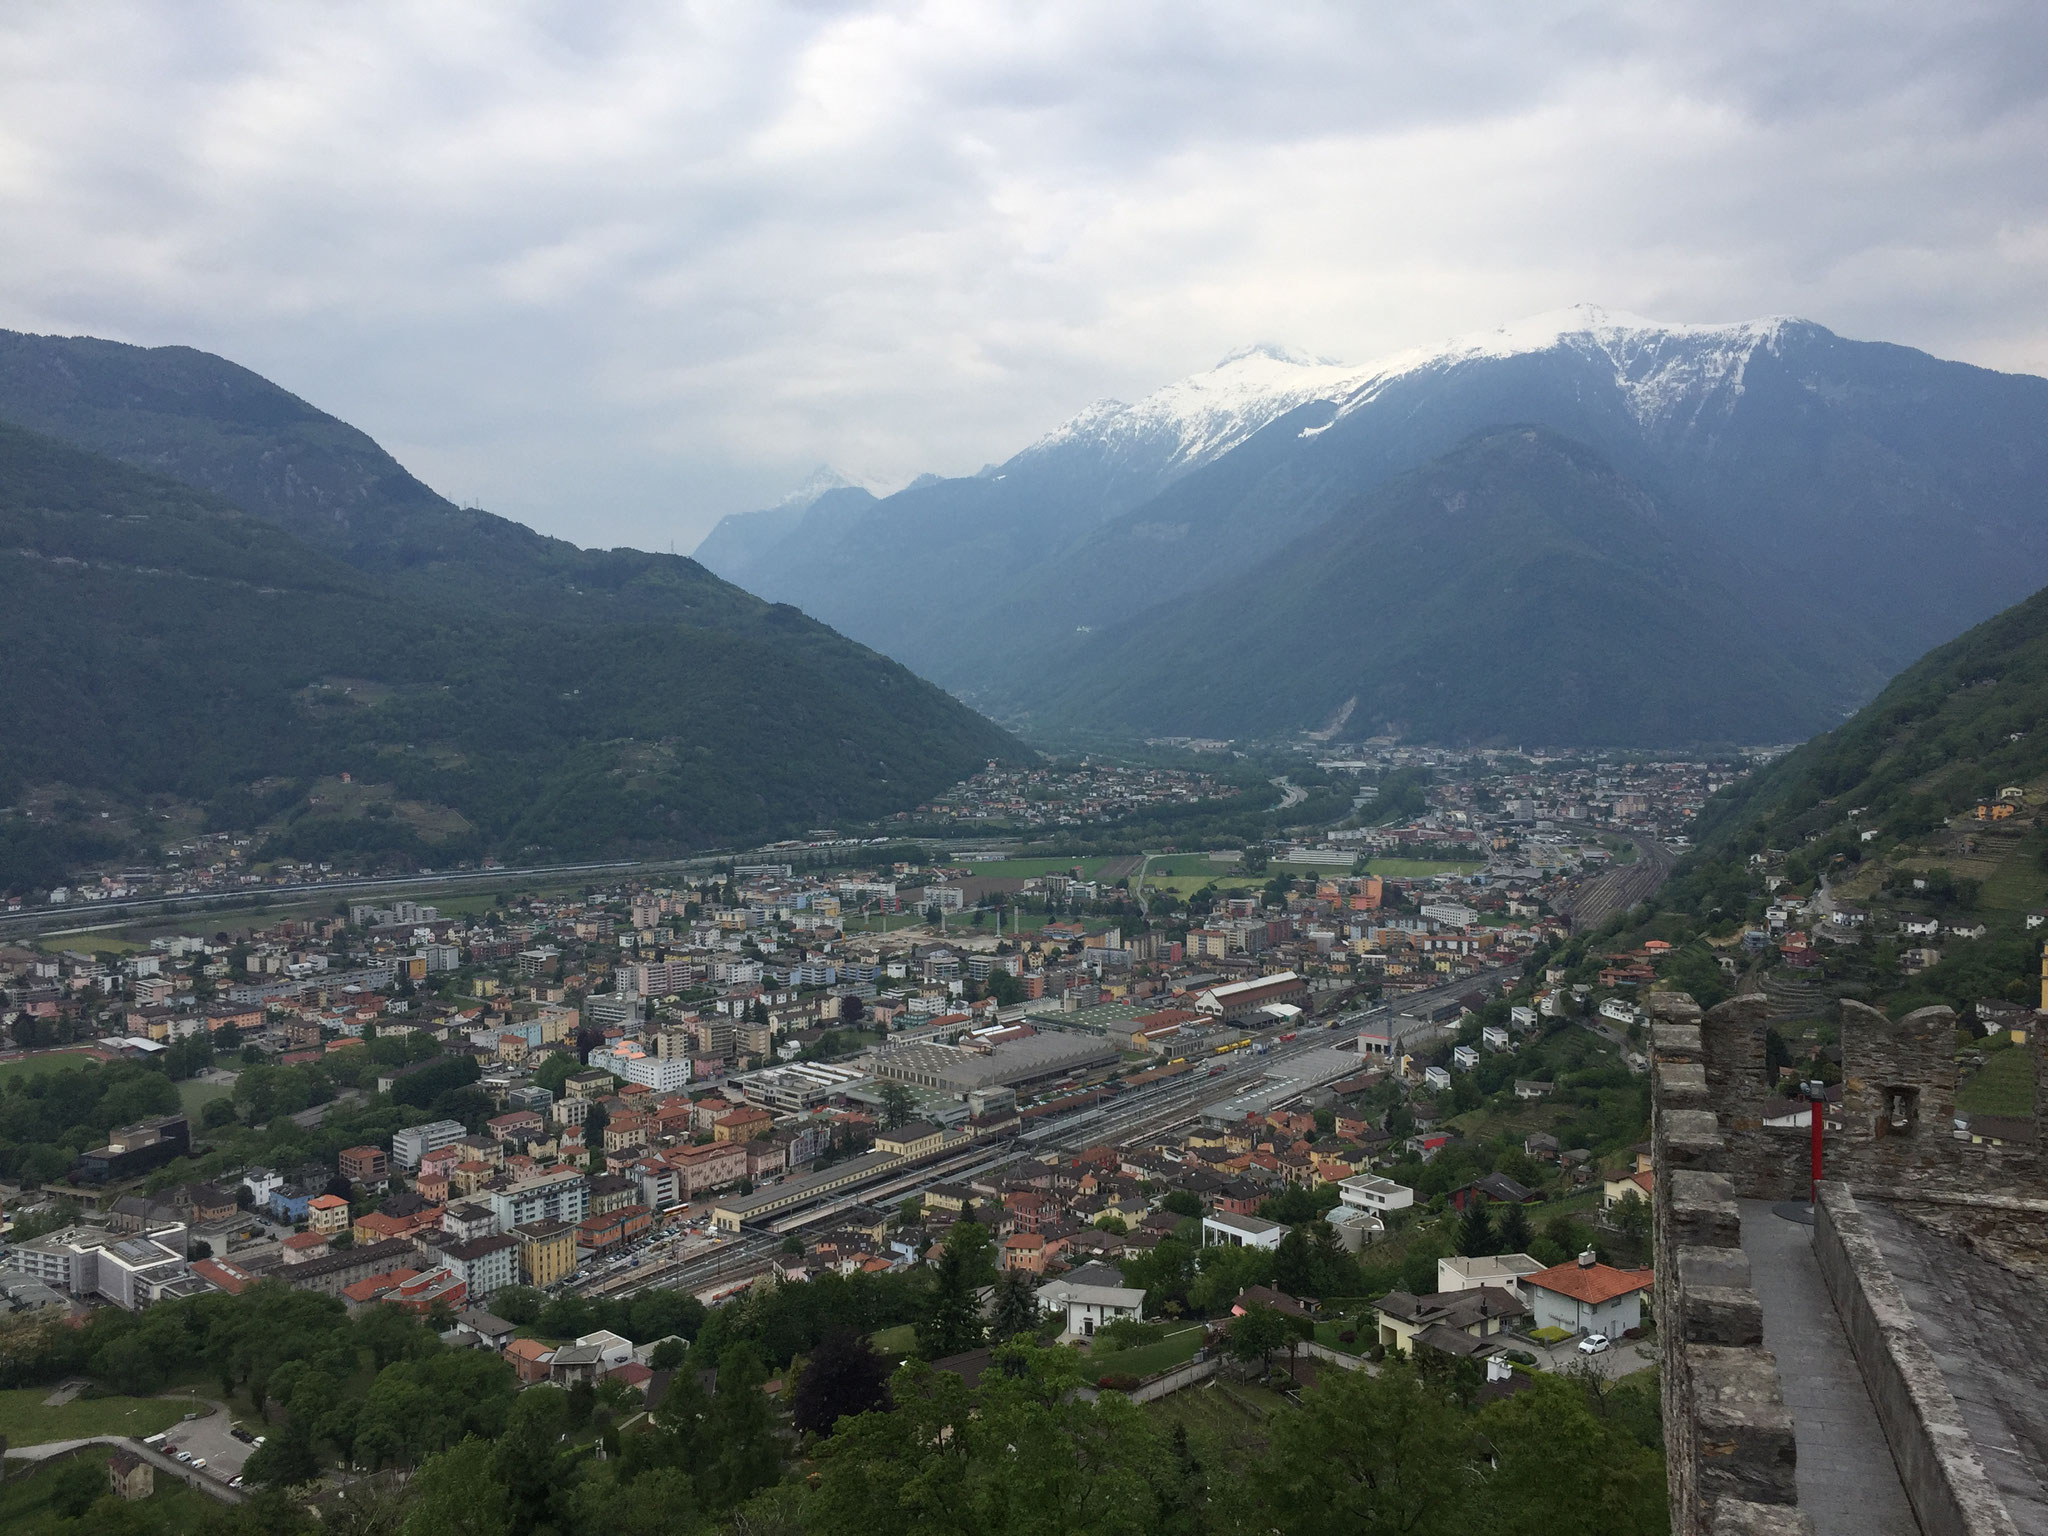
point(209, 1437)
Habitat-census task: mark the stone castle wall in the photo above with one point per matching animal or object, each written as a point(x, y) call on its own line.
point(1729, 1436)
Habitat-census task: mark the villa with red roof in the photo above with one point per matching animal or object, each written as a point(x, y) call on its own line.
point(1587, 1297)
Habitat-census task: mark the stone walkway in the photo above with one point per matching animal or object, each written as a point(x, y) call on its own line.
point(1848, 1485)
point(1983, 1324)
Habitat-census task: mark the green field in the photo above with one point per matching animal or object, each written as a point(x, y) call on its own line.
point(1228, 1421)
point(1148, 1359)
point(40, 1065)
point(1025, 869)
point(1420, 869)
point(194, 1095)
point(25, 1421)
point(897, 1341)
point(2005, 1085)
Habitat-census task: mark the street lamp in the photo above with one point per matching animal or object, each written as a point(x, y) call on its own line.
point(1816, 1098)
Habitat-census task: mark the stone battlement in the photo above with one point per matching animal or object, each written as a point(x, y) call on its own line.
point(1733, 1454)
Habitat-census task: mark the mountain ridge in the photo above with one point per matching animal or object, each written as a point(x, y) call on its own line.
point(1881, 500)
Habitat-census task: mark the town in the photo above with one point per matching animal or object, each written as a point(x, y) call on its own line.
point(1172, 1089)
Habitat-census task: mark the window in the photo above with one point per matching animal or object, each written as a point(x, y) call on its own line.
point(1901, 1112)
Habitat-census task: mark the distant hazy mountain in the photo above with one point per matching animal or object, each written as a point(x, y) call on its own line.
point(1877, 500)
point(738, 546)
point(273, 602)
point(1959, 725)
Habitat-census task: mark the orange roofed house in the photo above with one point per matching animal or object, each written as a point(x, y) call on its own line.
point(1587, 1297)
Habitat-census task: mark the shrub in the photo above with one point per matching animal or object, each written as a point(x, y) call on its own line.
point(1116, 1381)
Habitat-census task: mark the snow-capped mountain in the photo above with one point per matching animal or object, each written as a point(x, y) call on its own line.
point(1817, 468)
point(738, 544)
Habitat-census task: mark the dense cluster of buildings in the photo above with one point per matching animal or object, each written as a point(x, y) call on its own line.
point(1067, 796)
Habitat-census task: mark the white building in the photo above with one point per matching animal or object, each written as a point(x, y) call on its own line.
point(1436, 1077)
point(1464, 1058)
point(1450, 914)
point(1505, 1273)
point(416, 1141)
point(1370, 1192)
point(664, 1074)
point(1222, 1228)
point(131, 1270)
point(1091, 1296)
point(484, 1264)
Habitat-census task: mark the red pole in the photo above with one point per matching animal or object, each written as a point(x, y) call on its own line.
point(1817, 1102)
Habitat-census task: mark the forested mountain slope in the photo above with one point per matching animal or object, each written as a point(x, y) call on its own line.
point(170, 654)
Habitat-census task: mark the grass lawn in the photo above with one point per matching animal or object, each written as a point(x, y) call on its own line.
point(900, 1340)
point(25, 1508)
point(1326, 1335)
point(194, 1095)
point(1148, 1359)
point(1416, 869)
point(2005, 1086)
point(45, 1062)
point(2016, 886)
point(25, 1421)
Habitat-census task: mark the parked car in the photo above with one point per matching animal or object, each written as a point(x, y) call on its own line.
point(1595, 1344)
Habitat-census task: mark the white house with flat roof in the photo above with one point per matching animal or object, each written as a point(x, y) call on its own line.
point(1370, 1192)
point(1505, 1272)
point(1223, 1229)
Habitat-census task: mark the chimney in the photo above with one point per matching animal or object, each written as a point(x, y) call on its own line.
point(1587, 1260)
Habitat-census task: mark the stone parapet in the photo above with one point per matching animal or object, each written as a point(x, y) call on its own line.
point(1943, 1475)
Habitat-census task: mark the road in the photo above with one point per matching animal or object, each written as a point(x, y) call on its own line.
point(1593, 901)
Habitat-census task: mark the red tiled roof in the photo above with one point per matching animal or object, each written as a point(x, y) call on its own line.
point(1593, 1284)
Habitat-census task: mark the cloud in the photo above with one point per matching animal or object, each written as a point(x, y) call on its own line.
point(616, 270)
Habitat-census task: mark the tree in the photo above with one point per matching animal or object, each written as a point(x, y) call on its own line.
point(1632, 1217)
point(741, 1431)
point(457, 1493)
point(1255, 1333)
point(1007, 990)
point(952, 1323)
point(1364, 1453)
point(1016, 1306)
point(844, 1376)
point(1475, 1230)
point(285, 1459)
point(1515, 1233)
point(1182, 1202)
point(851, 1011)
point(898, 1104)
point(1294, 1264)
point(1164, 1273)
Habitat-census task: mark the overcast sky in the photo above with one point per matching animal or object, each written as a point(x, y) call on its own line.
point(618, 270)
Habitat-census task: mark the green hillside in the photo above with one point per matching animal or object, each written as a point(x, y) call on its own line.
point(170, 655)
point(1517, 590)
point(1957, 726)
